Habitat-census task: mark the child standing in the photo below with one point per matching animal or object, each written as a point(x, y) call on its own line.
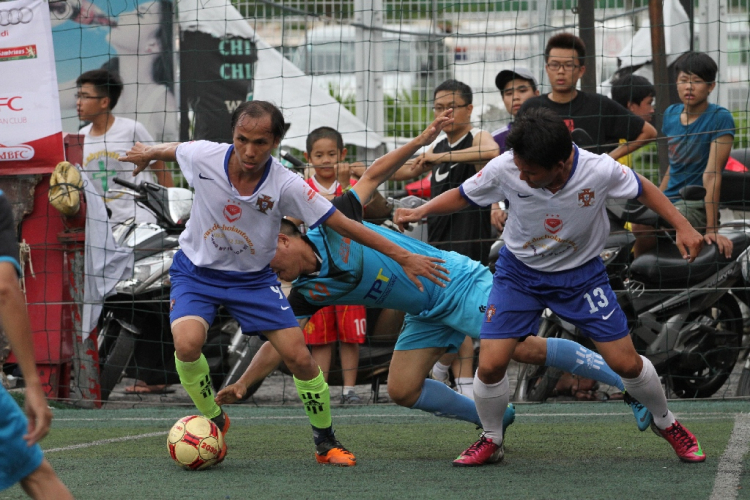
point(345, 324)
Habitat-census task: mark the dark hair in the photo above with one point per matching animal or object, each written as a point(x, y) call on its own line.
point(540, 137)
point(324, 133)
point(163, 69)
point(566, 41)
point(457, 87)
point(698, 64)
point(631, 88)
point(107, 84)
point(259, 109)
point(289, 228)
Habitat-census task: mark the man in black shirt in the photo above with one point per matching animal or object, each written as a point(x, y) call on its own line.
point(605, 121)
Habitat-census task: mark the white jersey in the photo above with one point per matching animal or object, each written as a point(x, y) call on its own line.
point(230, 232)
point(555, 232)
point(100, 161)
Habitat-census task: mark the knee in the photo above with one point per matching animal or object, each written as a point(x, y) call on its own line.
point(491, 374)
point(300, 361)
point(628, 367)
point(403, 395)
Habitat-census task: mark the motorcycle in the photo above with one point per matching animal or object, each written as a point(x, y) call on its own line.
point(681, 316)
point(134, 331)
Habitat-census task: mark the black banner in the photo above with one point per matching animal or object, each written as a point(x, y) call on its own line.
point(216, 76)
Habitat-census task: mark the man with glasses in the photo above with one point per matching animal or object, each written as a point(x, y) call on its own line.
point(605, 121)
point(452, 158)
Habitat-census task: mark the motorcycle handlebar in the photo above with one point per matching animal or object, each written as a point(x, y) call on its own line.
point(127, 184)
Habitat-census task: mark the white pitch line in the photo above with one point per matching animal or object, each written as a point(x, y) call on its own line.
point(730, 465)
point(105, 441)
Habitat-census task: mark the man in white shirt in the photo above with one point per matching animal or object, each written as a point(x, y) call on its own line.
point(241, 195)
point(556, 229)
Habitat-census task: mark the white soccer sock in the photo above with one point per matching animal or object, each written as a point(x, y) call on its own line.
point(440, 371)
point(465, 386)
point(647, 389)
point(491, 401)
point(348, 389)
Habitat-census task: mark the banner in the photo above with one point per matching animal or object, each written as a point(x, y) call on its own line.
point(30, 127)
point(216, 76)
point(133, 38)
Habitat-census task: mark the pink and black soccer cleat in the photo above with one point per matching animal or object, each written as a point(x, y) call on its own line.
point(683, 441)
point(482, 452)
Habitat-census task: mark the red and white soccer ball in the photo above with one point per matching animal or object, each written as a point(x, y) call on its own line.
point(195, 442)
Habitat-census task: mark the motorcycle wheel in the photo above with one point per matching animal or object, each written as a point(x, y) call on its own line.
point(536, 383)
point(711, 360)
point(116, 349)
point(246, 356)
point(743, 387)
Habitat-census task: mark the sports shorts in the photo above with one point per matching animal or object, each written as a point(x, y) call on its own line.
point(346, 324)
point(255, 300)
point(17, 458)
point(581, 296)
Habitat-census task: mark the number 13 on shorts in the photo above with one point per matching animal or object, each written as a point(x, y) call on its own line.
point(597, 299)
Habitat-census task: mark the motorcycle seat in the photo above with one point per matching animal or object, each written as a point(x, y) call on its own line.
point(664, 267)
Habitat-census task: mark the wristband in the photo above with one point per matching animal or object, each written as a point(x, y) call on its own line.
point(347, 188)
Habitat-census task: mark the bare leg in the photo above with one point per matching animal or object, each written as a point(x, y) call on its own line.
point(322, 355)
point(43, 484)
point(349, 362)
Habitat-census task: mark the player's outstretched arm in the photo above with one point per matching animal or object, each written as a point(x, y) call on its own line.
point(447, 203)
point(414, 265)
point(385, 166)
point(689, 241)
point(266, 360)
point(141, 155)
point(15, 320)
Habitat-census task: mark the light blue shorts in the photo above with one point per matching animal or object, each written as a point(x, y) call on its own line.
point(17, 459)
point(581, 296)
point(255, 300)
point(458, 311)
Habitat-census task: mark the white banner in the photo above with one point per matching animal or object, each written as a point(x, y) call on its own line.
point(30, 125)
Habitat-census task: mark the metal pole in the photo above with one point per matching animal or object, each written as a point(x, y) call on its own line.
point(588, 35)
point(661, 78)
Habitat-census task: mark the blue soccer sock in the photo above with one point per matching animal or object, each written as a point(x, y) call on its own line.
point(573, 358)
point(442, 401)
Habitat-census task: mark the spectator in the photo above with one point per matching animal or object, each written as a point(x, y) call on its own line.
point(605, 121)
point(345, 324)
point(700, 136)
point(636, 94)
point(452, 158)
point(107, 137)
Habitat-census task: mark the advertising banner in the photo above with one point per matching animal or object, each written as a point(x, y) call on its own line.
point(30, 127)
point(134, 39)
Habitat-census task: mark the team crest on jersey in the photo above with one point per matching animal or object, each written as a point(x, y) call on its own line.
point(232, 212)
point(586, 197)
point(553, 223)
point(491, 310)
point(264, 203)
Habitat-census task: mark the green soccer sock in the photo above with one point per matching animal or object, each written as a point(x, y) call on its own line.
point(196, 380)
point(316, 399)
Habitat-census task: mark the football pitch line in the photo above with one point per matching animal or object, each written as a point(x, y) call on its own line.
point(730, 464)
point(104, 441)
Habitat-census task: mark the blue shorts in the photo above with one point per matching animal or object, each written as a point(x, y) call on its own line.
point(255, 300)
point(581, 296)
point(456, 313)
point(17, 458)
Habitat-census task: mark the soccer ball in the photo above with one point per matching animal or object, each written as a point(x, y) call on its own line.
point(195, 442)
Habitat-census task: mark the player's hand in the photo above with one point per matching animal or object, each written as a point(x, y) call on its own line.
point(403, 216)
point(498, 217)
point(415, 265)
point(689, 243)
point(38, 413)
point(138, 156)
point(431, 133)
point(723, 243)
point(231, 394)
